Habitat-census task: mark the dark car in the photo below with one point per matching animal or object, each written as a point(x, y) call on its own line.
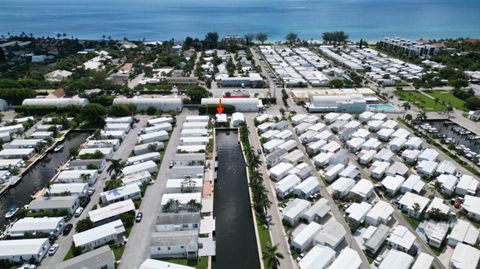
point(84, 202)
point(67, 229)
point(259, 151)
point(139, 217)
point(68, 217)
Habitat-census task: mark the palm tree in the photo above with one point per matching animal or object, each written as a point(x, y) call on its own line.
point(116, 167)
point(194, 205)
point(48, 186)
point(421, 116)
point(171, 205)
point(406, 106)
point(272, 256)
point(85, 177)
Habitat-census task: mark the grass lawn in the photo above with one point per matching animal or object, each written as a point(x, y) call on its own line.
point(264, 237)
point(448, 97)
point(69, 255)
point(412, 221)
point(118, 251)
point(201, 263)
point(421, 101)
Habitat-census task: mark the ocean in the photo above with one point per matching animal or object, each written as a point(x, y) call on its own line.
point(162, 19)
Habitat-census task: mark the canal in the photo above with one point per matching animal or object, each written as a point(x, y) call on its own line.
point(236, 246)
point(38, 175)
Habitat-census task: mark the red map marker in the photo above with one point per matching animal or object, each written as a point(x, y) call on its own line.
point(220, 108)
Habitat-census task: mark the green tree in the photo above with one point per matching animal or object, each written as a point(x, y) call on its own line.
point(83, 225)
point(271, 256)
point(291, 38)
point(197, 93)
point(74, 150)
point(211, 40)
point(116, 166)
point(94, 114)
point(262, 37)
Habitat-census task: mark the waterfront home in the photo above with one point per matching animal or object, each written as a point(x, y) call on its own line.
point(11, 163)
point(78, 176)
point(42, 135)
point(24, 249)
point(465, 257)
point(348, 259)
point(68, 204)
point(413, 184)
point(17, 153)
point(68, 189)
point(148, 166)
point(105, 143)
point(181, 221)
point(175, 244)
point(47, 127)
point(184, 185)
point(294, 210)
point(182, 198)
point(100, 258)
point(409, 202)
point(192, 149)
point(196, 171)
point(381, 213)
point(148, 147)
point(319, 257)
point(106, 152)
point(303, 240)
point(153, 137)
point(332, 234)
point(401, 239)
point(37, 227)
point(86, 164)
point(130, 191)
point(155, 264)
point(237, 119)
point(189, 159)
point(12, 129)
point(110, 212)
point(396, 260)
point(463, 232)
point(110, 233)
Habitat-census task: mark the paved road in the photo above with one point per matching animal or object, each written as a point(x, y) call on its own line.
point(137, 248)
point(276, 227)
point(122, 153)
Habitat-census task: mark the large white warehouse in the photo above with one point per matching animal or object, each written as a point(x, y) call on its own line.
point(353, 103)
point(160, 103)
point(240, 104)
point(57, 102)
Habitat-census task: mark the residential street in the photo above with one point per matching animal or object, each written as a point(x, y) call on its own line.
point(122, 152)
point(137, 248)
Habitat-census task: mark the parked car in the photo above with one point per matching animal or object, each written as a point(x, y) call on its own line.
point(78, 212)
point(67, 229)
point(139, 217)
point(91, 191)
point(53, 249)
point(67, 217)
point(170, 164)
point(84, 201)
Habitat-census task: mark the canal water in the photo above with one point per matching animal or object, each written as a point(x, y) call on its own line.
point(38, 175)
point(236, 246)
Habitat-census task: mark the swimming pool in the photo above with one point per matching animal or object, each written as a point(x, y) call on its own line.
point(384, 107)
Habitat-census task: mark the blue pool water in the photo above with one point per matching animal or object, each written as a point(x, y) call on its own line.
point(382, 107)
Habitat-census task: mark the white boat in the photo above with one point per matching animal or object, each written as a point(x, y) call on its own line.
point(11, 212)
point(58, 148)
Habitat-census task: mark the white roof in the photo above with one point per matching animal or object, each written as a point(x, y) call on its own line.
point(70, 187)
point(343, 184)
point(423, 261)
point(446, 167)
point(146, 156)
point(157, 264)
point(381, 210)
point(428, 154)
point(30, 224)
point(111, 210)
point(409, 199)
point(362, 133)
point(401, 133)
point(401, 236)
point(332, 233)
point(393, 183)
point(465, 257)
point(105, 151)
point(427, 166)
point(136, 177)
point(281, 168)
point(21, 247)
point(358, 211)
point(120, 192)
point(390, 124)
point(348, 259)
point(295, 207)
point(362, 188)
point(414, 142)
point(448, 181)
point(472, 204)
point(164, 120)
point(16, 152)
point(183, 198)
point(91, 235)
point(465, 232)
point(438, 204)
point(75, 174)
point(131, 169)
point(468, 183)
point(307, 233)
point(318, 257)
point(308, 185)
point(396, 260)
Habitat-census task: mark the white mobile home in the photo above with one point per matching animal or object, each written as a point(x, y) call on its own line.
point(280, 170)
point(99, 236)
point(24, 249)
point(285, 186)
point(37, 226)
point(148, 166)
point(130, 191)
point(151, 156)
point(153, 137)
point(294, 210)
point(78, 176)
point(148, 147)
